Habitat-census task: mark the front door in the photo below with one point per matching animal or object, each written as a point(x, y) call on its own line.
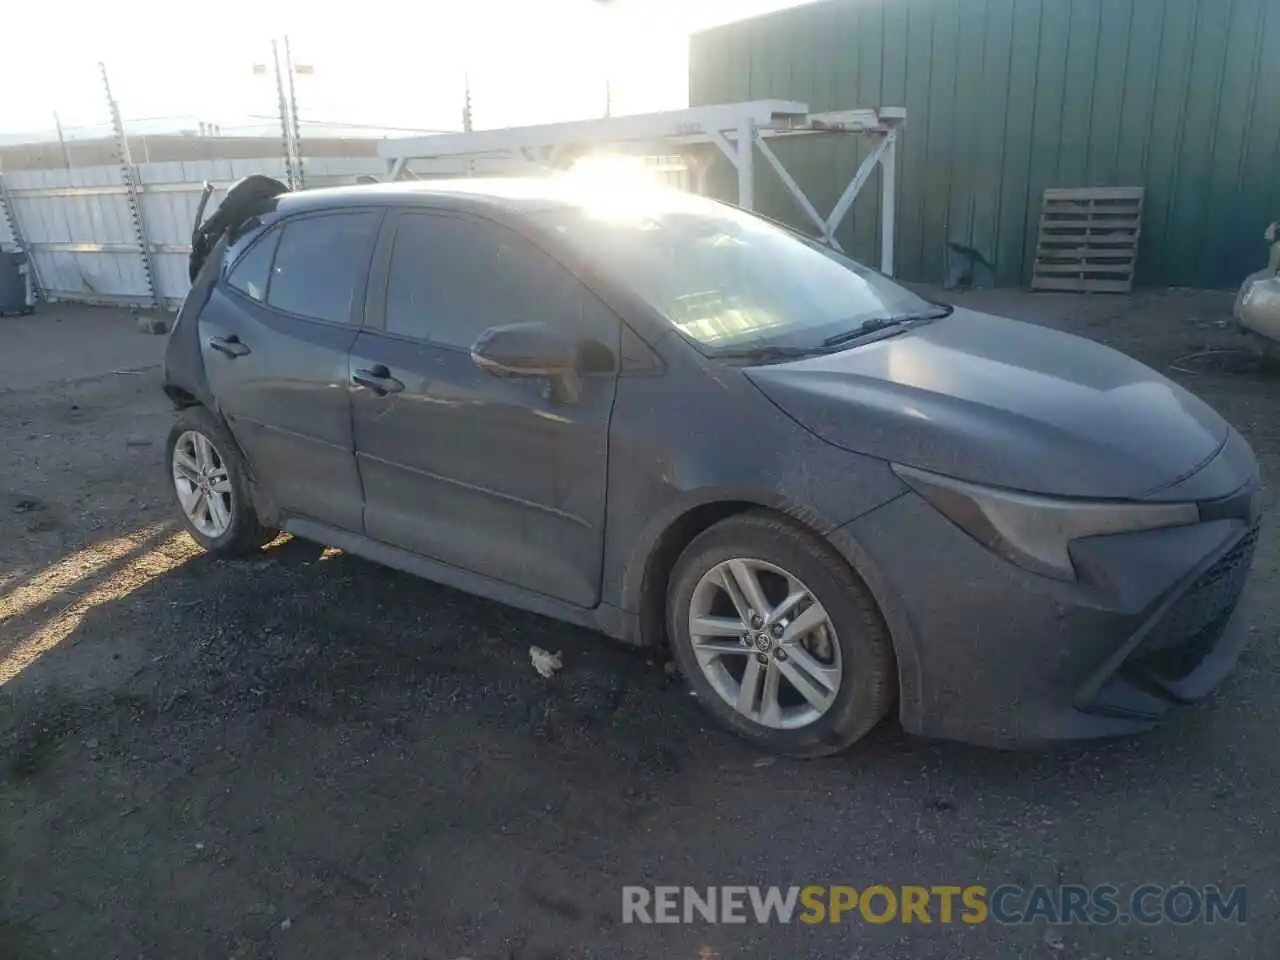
point(488, 474)
point(275, 337)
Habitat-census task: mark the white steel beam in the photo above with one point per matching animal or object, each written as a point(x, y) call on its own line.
point(746, 165)
point(867, 120)
point(855, 185)
point(734, 128)
point(642, 126)
point(888, 203)
point(789, 182)
point(722, 143)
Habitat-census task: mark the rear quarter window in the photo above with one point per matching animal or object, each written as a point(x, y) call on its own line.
point(251, 272)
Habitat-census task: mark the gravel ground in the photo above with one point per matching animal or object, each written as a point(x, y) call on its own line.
point(307, 755)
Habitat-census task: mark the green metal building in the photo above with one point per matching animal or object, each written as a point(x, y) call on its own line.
point(1007, 97)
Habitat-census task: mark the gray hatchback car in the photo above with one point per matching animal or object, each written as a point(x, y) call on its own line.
point(679, 423)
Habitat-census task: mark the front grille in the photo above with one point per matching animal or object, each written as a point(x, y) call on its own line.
point(1196, 620)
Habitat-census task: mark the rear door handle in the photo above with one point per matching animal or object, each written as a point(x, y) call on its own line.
point(378, 379)
point(230, 345)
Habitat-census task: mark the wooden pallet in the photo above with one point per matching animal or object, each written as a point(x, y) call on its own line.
point(1088, 240)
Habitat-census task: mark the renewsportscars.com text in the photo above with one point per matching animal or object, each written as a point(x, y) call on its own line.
point(1006, 904)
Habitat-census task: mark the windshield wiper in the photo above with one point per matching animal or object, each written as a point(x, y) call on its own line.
point(777, 353)
point(875, 324)
point(766, 353)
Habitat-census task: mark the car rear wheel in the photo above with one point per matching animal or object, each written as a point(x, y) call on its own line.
point(211, 486)
point(778, 637)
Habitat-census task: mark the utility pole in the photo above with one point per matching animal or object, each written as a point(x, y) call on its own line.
point(293, 110)
point(129, 174)
point(466, 102)
point(286, 134)
point(466, 115)
point(609, 19)
point(62, 141)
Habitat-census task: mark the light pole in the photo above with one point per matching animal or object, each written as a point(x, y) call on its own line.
point(293, 111)
point(608, 9)
point(287, 108)
point(286, 129)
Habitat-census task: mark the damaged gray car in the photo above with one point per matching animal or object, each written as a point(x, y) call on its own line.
point(678, 423)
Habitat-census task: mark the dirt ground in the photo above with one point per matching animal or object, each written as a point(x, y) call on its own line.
point(309, 756)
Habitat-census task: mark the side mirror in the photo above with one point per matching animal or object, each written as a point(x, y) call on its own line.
point(530, 350)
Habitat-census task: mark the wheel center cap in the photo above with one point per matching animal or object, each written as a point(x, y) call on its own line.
point(763, 642)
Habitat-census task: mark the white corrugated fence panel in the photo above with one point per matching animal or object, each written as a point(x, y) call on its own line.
point(84, 214)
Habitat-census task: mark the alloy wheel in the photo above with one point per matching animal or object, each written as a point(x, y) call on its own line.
point(765, 643)
point(203, 483)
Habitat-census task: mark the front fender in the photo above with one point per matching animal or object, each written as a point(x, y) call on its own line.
point(897, 620)
point(650, 537)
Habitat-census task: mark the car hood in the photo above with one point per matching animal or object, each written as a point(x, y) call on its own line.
point(1003, 403)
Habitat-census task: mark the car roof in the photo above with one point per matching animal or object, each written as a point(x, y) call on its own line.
point(513, 193)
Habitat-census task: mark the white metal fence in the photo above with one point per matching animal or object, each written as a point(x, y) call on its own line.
point(78, 228)
point(77, 225)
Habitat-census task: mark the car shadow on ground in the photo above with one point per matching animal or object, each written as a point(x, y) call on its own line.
point(309, 736)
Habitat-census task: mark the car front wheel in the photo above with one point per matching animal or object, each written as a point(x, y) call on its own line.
point(779, 638)
point(211, 486)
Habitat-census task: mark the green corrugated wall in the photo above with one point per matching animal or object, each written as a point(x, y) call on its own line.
point(1007, 97)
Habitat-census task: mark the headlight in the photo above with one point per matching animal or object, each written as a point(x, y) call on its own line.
point(1035, 532)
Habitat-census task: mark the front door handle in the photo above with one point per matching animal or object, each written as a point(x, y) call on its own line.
point(378, 379)
point(230, 345)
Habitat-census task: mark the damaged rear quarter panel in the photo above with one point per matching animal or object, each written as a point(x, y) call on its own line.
point(184, 372)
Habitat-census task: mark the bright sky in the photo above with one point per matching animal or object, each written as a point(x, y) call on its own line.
point(530, 61)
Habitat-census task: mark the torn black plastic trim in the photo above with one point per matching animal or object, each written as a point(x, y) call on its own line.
point(247, 197)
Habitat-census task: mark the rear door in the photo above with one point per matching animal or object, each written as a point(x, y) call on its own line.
point(488, 474)
point(275, 338)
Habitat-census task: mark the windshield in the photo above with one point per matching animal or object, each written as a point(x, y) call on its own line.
point(729, 281)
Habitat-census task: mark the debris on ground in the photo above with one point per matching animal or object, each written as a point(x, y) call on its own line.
point(152, 324)
point(544, 662)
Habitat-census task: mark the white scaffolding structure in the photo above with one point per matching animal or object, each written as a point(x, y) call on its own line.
point(736, 129)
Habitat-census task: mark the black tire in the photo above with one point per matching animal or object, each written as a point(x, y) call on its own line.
point(245, 535)
point(867, 684)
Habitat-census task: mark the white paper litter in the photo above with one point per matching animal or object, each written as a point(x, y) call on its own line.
point(544, 662)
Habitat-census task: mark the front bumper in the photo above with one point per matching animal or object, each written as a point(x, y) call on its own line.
point(990, 653)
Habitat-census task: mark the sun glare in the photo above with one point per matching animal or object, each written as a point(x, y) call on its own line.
point(615, 188)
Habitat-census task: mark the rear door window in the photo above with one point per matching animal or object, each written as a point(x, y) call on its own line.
point(320, 265)
point(250, 275)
